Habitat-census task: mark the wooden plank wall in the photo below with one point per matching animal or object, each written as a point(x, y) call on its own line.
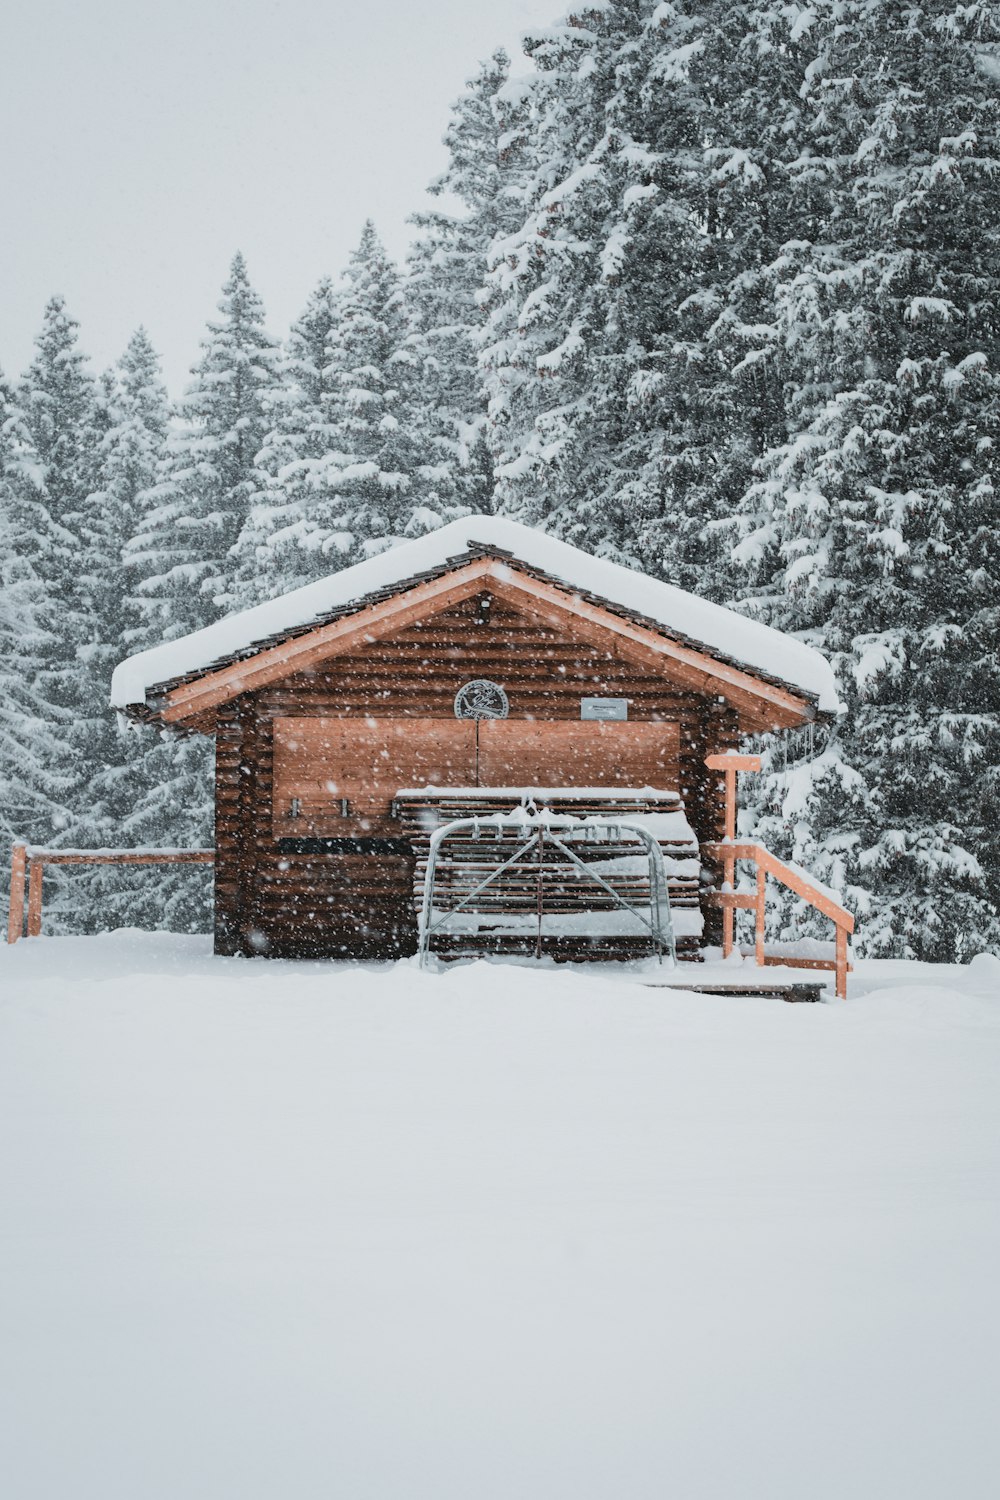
point(335, 778)
point(303, 898)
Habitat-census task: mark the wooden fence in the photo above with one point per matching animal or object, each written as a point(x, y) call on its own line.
point(28, 867)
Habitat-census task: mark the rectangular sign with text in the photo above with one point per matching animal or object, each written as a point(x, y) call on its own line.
point(603, 708)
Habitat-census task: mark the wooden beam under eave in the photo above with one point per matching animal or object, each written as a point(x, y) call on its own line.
point(763, 705)
point(608, 641)
point(190, 701)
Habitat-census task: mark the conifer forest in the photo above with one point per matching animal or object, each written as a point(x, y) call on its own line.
point(709, 289)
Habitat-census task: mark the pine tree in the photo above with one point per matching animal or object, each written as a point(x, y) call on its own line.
point(141, 790)
point(874, 528)
point(62, 403)
point(34, 776)
point(351, 462)
point(60, 400)
point(385, 482)
point(131, 455)
point(208, 480)
point(154, 788)
point(723, 85)
point(445, 273)
point(542, 334)
point(287, 540)
point(625, 351)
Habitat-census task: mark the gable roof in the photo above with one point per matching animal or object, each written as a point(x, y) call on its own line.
point(428, 574)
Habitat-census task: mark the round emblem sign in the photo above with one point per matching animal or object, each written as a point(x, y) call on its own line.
point(481, 700)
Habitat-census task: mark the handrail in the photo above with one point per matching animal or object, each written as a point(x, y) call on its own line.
point(26, 860)
point(796, 881)
point(729, 851)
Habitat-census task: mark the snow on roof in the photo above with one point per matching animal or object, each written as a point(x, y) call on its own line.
point(741, 640)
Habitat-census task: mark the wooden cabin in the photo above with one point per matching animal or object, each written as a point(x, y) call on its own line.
point(483, 665)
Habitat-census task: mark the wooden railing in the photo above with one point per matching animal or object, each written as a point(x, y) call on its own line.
point(28, 862)
point(728, 853)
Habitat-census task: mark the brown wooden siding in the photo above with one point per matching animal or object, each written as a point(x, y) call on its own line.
point(231, 851)
point(300, 896)
point(338, 777)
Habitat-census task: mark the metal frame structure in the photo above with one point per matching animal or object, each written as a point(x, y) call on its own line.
point(542, 831)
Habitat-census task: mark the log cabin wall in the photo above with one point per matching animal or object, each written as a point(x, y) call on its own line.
point(301, 897)
point(719, 730)
point(231, 846)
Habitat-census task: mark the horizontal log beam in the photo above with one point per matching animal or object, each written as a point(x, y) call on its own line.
point(788, 961)
point(123, 857)
point(734, 900)
point(730, 762)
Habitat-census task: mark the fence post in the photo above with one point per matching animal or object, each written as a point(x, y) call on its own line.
point(728, 914)
point(841, 963)
point(760, 915)
point(35, 868)
point(15, 913)
point(729, 865)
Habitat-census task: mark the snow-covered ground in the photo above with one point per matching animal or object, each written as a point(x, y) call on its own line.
point(304, 1231)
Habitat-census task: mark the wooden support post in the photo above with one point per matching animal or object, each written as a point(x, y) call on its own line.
point(730, 763)
point(730, 803)
point(15, 913)
point(728, 913)
point(759, 916)
point(729, 865)
point(35, 868)
point(841, 963)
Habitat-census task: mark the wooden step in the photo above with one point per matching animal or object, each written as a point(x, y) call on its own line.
point(793, 992)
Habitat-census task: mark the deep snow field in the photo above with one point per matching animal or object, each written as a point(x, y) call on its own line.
point(283, 1232)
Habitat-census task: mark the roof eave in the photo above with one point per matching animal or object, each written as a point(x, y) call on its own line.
point(187, 704)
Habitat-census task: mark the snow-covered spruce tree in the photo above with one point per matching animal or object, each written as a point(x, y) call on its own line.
point(155, 787)
point(182, 550)
point(723, 88)
point(133, 784)
point(386, 481)
point(445, 272)
point(62, 408)
point(875, 529)
point(287, 539)
point(352, 460)
point(179, 560)
point(545, 327)
point(60, 400)
point(625, 330)
point(131, 455)
point(36, 778)
point(645, 498)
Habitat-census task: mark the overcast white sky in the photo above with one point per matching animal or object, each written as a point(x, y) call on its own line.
point(142, 143)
